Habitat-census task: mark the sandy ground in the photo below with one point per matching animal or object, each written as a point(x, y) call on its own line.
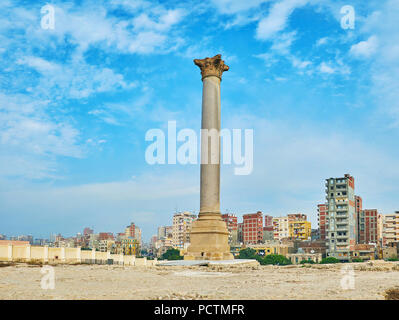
point(263, 282)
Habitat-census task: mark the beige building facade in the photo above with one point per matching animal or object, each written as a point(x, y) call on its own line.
point(280, 228)
point(390, 232)
point(181, 228)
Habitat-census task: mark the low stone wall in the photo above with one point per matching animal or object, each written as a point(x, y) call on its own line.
point(39, 254)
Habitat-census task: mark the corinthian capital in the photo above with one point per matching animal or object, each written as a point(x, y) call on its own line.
point(212, 66)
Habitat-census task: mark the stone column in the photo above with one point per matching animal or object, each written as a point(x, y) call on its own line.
point(209, 234)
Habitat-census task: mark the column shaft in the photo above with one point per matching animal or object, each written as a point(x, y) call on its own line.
point(210, 149)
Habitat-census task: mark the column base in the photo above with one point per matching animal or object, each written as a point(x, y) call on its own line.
point(209, 239)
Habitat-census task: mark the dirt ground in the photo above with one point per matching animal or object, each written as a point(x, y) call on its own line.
point(314, 282)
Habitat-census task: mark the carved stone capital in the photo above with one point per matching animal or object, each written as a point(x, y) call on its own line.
point(212, 66)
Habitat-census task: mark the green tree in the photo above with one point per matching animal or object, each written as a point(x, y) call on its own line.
point(329, 260)
point(172, 254)
point(247, 253)
point(393, 258)
point(275, 259)
point(307, 261)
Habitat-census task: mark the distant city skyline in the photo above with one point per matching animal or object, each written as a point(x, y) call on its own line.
point(76, 102)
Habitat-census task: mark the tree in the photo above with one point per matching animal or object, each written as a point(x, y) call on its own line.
point(172, 254)
point(247, 253)
point(392, 258)
point(329, 260)
point(307, 261)
point(275, 259)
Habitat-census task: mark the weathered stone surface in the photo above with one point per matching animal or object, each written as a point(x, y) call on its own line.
point(212, 66)
point(209, 234)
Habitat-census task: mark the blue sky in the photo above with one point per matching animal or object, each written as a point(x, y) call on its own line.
point(76, 102)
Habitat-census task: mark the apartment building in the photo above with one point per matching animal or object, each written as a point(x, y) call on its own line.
point(232, 227)
point(268, 233)
point(130, 246)
point(390, 228)
point(368, 226)
point(268, 221)
point(299, 229)
point(297, 217)
point(105, 245)
point(341, 234)
point(358, 205)
point(181, 229)
point(280, 228)
point(322, 219)
point(253, 228)
point(134, 232)
point(240, 232)
point(165, 232)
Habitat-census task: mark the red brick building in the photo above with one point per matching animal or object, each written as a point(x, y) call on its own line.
point(232, 226)
point(297, 217)
point(269, 222)
point(368, 226)
point(87, 231)
point(253, 228)
point(322, 217)
point(358, 209)
point(231, 221)
point(105, 236)
point(359, 204)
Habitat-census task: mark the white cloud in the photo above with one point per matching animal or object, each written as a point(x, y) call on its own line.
point(325, 68)
point(109, 205)
point(292, 160)
point(236, 6)
point(290, 165)
point(381, 49)
point(283, 43)
point(164, 23)
point(277, 18)
point(300, 63)
point(77, 80)
point(322, 41)
point(365, 49)
point(31, 140)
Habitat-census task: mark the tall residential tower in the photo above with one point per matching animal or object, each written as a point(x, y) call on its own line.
point(341, 234)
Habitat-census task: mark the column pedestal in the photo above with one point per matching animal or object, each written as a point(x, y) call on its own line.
point(209, 239)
